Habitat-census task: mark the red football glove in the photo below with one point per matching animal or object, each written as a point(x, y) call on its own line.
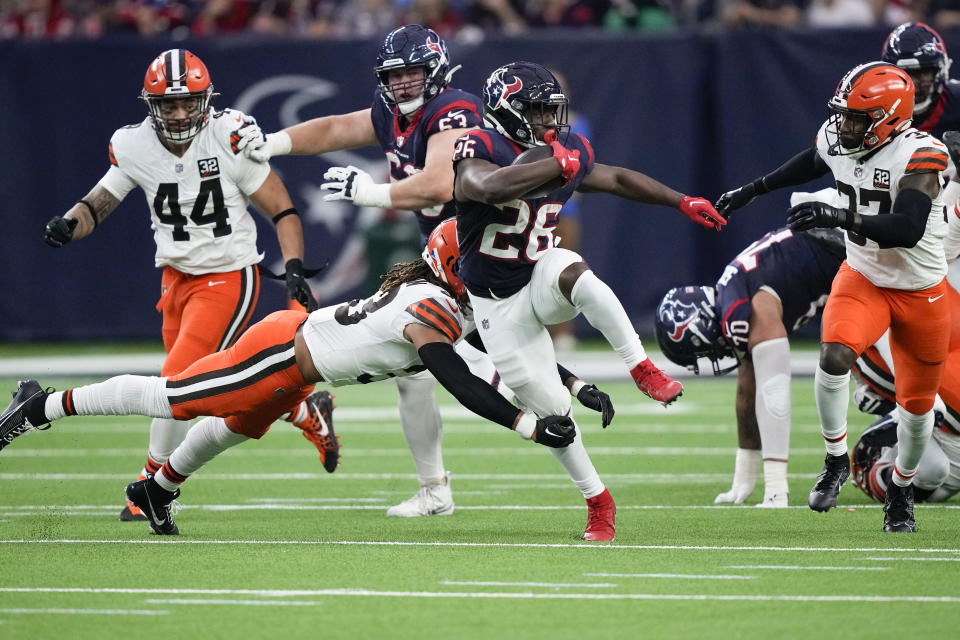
point(702, 212)
point(569, 160)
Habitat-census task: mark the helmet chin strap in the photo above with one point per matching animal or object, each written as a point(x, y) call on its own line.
point(410, 106)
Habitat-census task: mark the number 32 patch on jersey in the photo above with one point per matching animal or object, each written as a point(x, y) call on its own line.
point(209, 167)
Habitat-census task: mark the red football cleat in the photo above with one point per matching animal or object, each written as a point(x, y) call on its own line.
point(655, 383)
point(317, 427)
point(601, 512)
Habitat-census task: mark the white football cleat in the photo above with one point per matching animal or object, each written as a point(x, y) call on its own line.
point(436, 500)
point(774, 501)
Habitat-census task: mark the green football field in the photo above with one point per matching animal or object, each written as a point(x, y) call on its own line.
point(271, 546)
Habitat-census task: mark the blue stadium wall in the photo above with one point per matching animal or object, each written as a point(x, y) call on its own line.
point(701, 113)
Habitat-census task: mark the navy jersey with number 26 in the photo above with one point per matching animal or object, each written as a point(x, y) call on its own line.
point(404, 141)
point(499, 244)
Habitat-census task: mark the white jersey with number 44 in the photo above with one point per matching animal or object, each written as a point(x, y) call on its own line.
point(870, 186)
point(198, 202)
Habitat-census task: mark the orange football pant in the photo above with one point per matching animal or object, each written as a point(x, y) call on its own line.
point(251, 384)
point(204, 314)
point(858, 312)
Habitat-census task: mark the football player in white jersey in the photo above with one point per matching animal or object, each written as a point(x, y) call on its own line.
point(894, 274)
point(409, 326)
point(197, 185)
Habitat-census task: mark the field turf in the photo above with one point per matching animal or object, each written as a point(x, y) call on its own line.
point(271, 546)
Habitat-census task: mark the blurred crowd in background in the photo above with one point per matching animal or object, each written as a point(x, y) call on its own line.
point(452, 19)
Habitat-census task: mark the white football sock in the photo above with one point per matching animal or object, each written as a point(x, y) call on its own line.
point(207, 439)
point(746, 471)
point(603, 310)
point(774, 478)
point(576, 461)
point(166, 434)
point(913, 433)
point(420, 418)
point(833, 395)
point(118, 396)
point(771, 365)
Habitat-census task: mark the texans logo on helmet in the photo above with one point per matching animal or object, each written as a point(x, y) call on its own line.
point(677, 317)
point(510, 89)
point(434, 46)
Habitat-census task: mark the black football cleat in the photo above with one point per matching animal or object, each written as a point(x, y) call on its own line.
point(156, 504)
point(898, 509)
point(13, 420)
point(836, 470)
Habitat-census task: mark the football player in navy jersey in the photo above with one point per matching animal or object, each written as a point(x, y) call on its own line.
point(767, 292)
point(518, 281)
point(919, 50)
point(415, 118)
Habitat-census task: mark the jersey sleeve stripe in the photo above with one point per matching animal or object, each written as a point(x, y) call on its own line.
point(927, 165)
point(436, 310)
point(457, 105)
point(113, 158)
point(589, 148)
point(484, 137)
point(431, 314)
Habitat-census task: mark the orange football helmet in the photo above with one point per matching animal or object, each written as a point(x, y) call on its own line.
point(175, 76)
point(442, 253)
point(877, 94)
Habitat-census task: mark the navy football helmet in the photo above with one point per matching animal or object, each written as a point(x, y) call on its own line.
point(688, 328)
point(413, 45)
point(519, 96)
point(915, 47)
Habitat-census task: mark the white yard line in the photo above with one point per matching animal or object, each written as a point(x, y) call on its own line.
point(256, 603)
point(349, 504)
point(102, 612)
point(403, 452)
point(559, 585)
point(920, 559)
point(495, 545)
point(660, 478)
point(507, 595)
point(682, 576)
point(784, 567)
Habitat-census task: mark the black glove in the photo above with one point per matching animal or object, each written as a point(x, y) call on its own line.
point(59, 231)
point(592, 398)
point(736, 199)
point(297, 287)
point(808, 215)
point(952, 140)
point(555, 431)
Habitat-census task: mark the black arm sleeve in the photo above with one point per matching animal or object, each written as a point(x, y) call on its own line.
point(903, 227)
point(469, 390)
point(803, 167)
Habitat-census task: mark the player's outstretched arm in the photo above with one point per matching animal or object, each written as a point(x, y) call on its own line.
point(82, 218)
point(803, 167)
point(273, 200)
point(320, 135)
point(633, 185)
point(436, 352)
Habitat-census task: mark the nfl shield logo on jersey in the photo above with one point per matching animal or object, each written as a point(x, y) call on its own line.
point(400, 140)
point(485, 323)
point(858, 172)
